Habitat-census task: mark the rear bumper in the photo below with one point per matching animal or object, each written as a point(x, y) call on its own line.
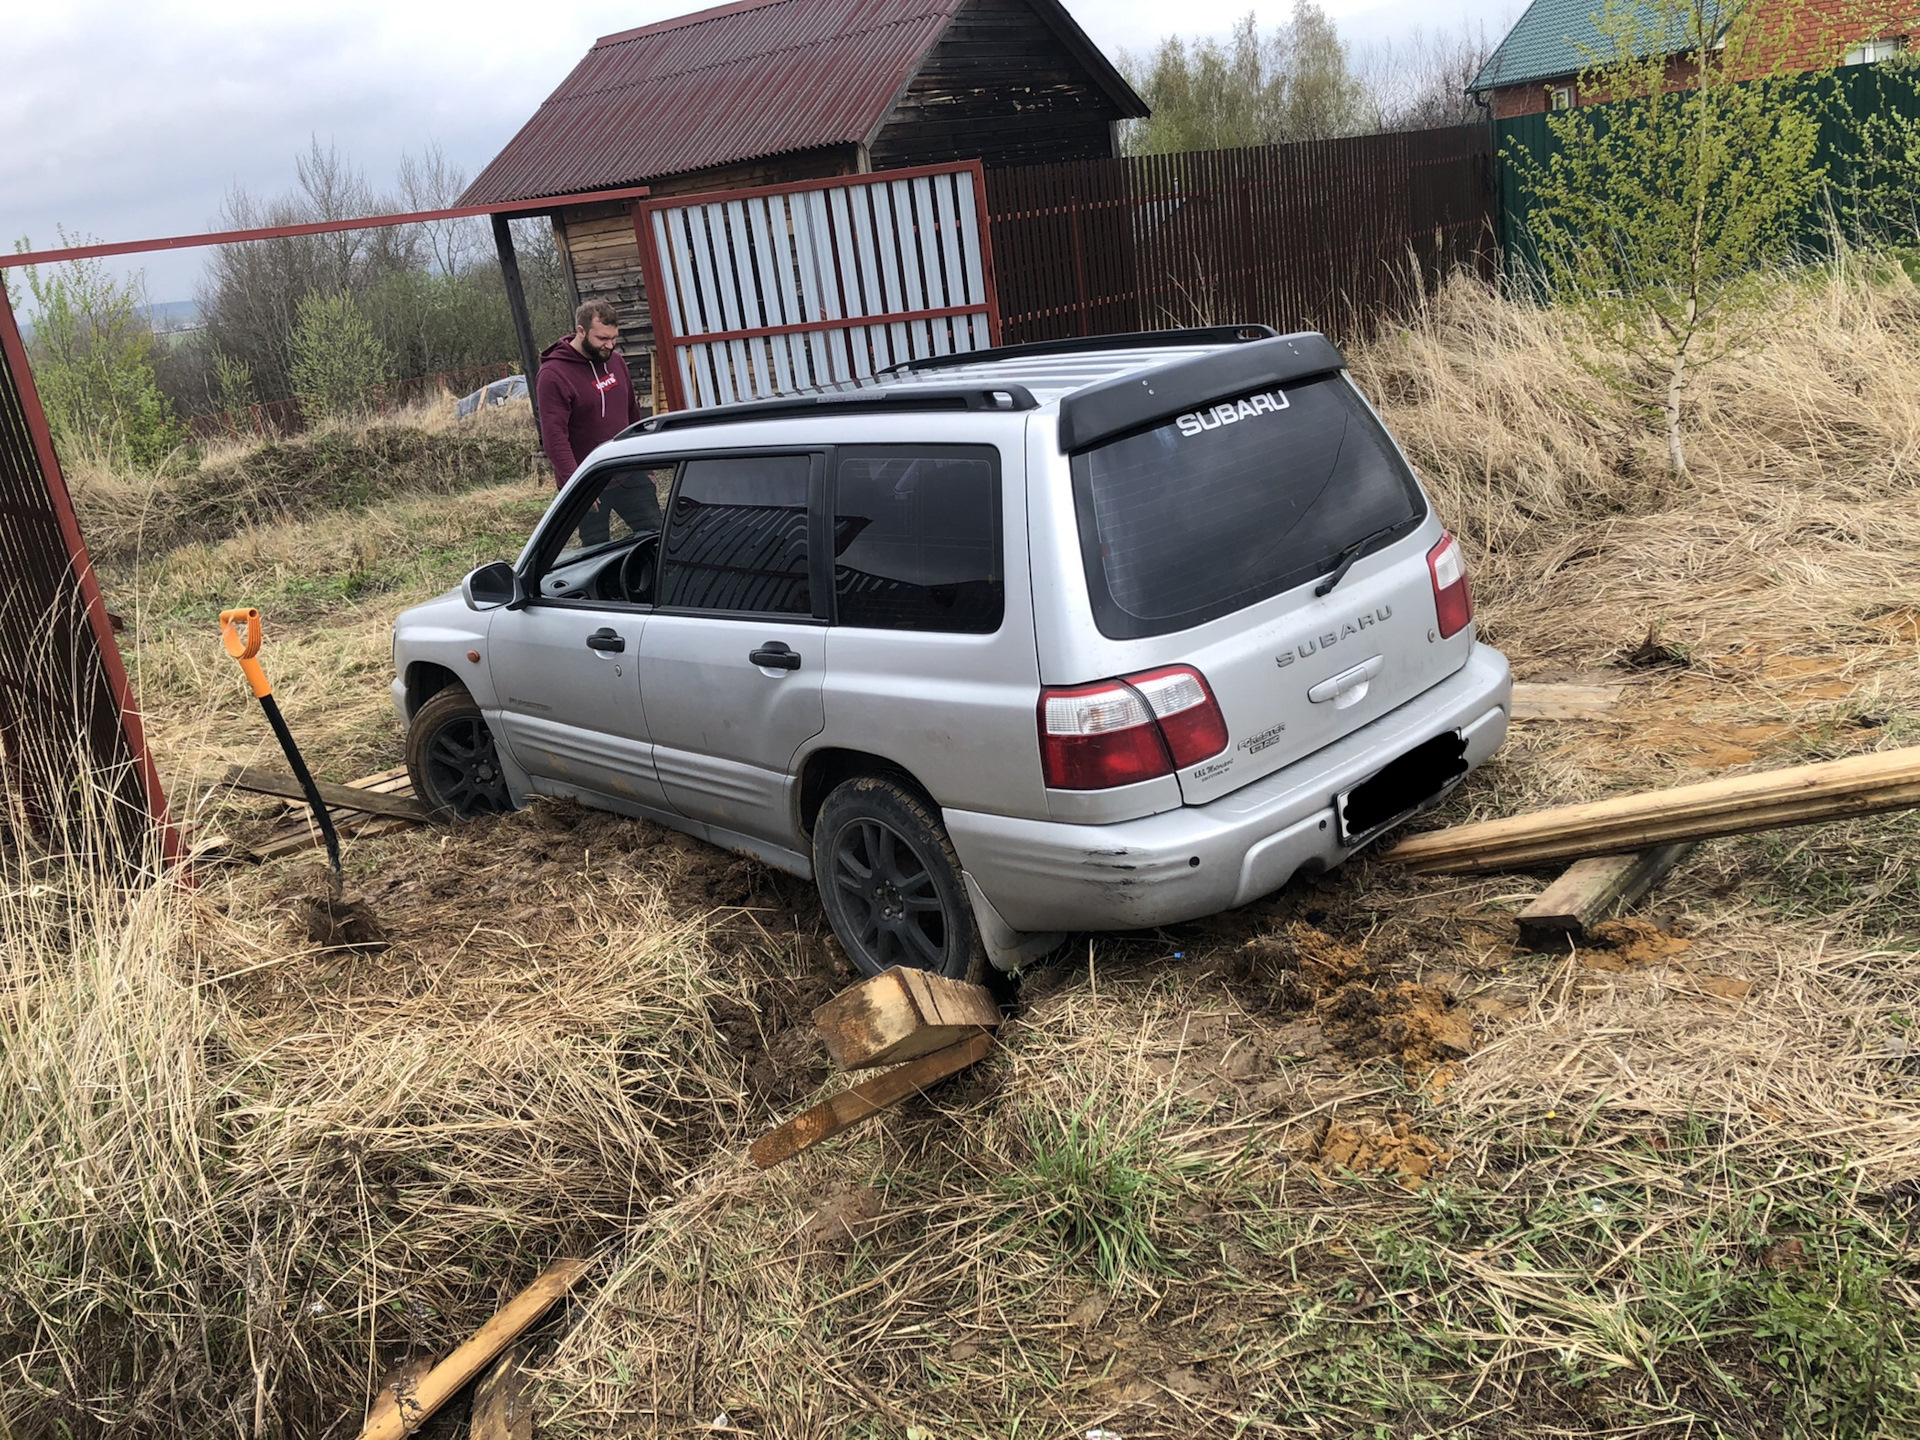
point(1202, 859)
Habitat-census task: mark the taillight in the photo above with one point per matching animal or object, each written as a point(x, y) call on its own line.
point(1452, 599)
point(1191, 721)
point(1120, 732)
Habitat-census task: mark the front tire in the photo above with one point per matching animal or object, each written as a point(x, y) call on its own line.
point(453, 761)
point(891, 884)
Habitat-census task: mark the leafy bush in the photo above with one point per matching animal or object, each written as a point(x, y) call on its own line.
point(92, 358)
point(337, 358)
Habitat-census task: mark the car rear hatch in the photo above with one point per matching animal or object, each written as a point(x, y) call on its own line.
point(1206, 539)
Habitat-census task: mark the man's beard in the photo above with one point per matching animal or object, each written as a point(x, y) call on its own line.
point(595, 352)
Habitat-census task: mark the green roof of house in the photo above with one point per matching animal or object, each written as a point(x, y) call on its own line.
point(1562, 37)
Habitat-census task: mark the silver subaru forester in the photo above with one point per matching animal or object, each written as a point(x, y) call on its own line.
point(1088, 635)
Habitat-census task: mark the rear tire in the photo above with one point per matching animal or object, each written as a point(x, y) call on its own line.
point(452, 759)
point(891, 884)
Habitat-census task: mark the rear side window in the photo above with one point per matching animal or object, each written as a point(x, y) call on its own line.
point(737, 536)
point(1223, 507)
point(916, 538)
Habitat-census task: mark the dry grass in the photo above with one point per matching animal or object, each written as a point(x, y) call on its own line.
point(1239, 1177)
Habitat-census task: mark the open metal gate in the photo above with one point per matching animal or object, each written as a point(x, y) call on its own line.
point(73, 758)
point(757, 293)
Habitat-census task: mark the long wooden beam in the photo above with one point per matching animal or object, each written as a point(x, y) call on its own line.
point(1804, 795)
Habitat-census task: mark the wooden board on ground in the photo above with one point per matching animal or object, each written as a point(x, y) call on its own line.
point(446, 1379)
point(865, 1100)
point(1802, 795)
point(338, 797)
point(901, 1015)
point(1591, 890)
point(296, 830)
point(1544, 701)
point(502, 1409)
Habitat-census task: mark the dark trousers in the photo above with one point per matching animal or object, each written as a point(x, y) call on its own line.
point(633, 501)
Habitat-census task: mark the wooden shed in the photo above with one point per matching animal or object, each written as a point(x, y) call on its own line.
point(767, 91)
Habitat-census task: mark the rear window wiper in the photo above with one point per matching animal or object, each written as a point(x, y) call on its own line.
point(1347, 556)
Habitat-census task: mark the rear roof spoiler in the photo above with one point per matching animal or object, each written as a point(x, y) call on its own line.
point(1144, 398)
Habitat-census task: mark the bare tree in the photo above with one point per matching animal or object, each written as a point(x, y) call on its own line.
point(1419, 82)
point(251, 293)
point(431, 182)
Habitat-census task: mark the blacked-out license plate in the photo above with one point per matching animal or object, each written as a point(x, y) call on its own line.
point(1401, 788)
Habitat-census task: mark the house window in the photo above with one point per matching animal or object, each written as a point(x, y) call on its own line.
point(1872, 52)
point(1560, 97)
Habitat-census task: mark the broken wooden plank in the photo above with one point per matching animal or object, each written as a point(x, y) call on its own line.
point(502, 1409)
point(865, 1100)
point(337, 797)
point(393, 1401)
point(902, 1015)
point(1591, 890)
point(1551, 701)
point(446, 1379)
point(1802, 795)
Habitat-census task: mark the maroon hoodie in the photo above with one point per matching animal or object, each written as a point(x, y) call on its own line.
point(583, 403)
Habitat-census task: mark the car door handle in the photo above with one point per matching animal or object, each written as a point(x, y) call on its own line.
point(774, 655)
point(606, 639)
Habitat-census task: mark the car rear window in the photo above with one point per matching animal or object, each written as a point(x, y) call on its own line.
point(1222, 507)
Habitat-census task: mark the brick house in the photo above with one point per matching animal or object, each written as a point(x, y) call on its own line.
point(764, 92)
point(1537, 66)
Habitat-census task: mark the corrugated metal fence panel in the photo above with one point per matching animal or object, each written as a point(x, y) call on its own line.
point(1842, 102)
point(1332, 235)
point(67, 726)
point(757, 293)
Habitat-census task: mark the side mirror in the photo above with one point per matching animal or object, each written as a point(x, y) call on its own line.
point(491, 586)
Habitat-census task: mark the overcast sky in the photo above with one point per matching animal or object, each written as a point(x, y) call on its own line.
point(124, 119)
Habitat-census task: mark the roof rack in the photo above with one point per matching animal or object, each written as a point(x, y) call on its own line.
point(858, 402)
point(1088, 344)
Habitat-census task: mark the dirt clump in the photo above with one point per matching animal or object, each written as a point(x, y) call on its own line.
point(339, 924)
point(1397, 1151)
point(847, 1214)
point(1411, 1022)
point(1630, 944)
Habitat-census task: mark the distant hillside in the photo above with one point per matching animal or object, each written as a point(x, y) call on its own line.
point(173, 315)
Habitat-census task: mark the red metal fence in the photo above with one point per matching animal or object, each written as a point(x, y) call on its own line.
point(1330, 235)
point(73, 759)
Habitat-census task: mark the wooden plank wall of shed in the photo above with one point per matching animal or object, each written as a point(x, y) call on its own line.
point(999, 87)
point(601, 247)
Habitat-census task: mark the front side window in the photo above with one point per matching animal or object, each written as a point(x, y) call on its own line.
point(629, 503)
point(1234, 502)
point(737, 536)
point(916, 538)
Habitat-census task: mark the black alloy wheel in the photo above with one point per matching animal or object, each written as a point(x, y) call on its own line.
point(891, 883)
point(889, 897)
point(452, 759)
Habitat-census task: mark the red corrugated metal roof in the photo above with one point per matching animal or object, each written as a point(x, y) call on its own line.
point(763, 77)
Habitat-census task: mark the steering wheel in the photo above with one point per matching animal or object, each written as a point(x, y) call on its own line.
point(636, 571)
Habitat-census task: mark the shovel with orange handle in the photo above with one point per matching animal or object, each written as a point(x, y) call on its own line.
point(240, 633)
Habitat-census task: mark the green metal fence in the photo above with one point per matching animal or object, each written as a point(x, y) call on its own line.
point(1843, 100)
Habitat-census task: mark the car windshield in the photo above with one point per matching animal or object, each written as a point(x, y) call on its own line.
point(1233, 503)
